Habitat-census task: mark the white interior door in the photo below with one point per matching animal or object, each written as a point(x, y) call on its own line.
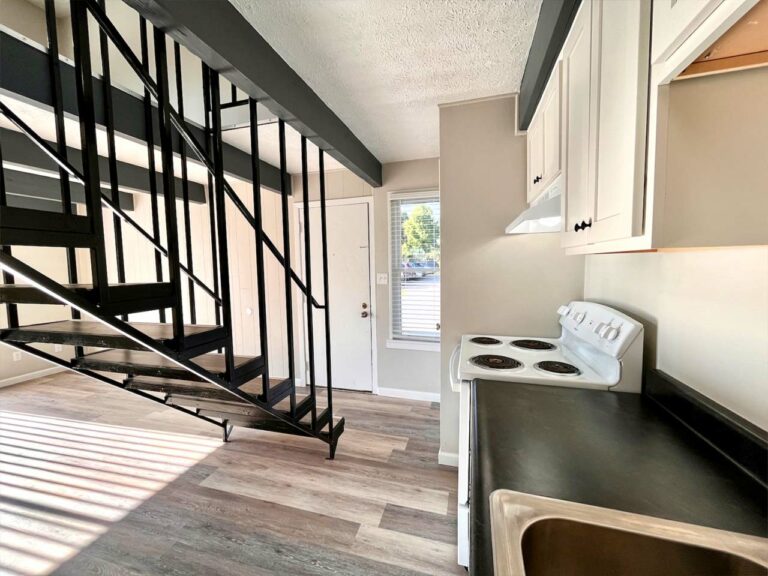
point(349, 274)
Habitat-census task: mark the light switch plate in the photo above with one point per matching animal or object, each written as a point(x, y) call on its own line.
point(382, 278)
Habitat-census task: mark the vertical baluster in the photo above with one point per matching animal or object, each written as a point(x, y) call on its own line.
point(169, 191)
point(221, 222)
point(150, 139)
point(85, 107)
point(308, 280)
point(211, 203)
point(324, 238)
point(233, 90)
point(287, 263)
point(111, 153)
point(185, 184)
point(54, 70)
point(259, 232)
point(10, 309)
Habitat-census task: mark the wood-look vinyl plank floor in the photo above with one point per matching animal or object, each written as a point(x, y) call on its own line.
point(95, 480)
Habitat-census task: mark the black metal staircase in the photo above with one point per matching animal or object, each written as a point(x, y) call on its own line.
point(187, 366)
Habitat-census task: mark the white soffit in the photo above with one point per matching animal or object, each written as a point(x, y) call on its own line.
point(383, 66)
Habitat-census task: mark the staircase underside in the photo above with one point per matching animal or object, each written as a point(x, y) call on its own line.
point(161, 378)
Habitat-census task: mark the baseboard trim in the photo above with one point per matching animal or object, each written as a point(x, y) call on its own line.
point(30, 376)
point(448, 458)
point(410, 394)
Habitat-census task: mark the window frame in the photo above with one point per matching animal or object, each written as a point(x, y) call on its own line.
point(402, 343)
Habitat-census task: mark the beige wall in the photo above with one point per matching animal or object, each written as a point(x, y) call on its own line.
point(411, 370)
point(717, 161)
point(705, 313)
point(492, 283)
point(53, 262)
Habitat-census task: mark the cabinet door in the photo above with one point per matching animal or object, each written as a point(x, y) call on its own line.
point(535, 143)
point(623, 33)
point(577, 127)
point(550, 116)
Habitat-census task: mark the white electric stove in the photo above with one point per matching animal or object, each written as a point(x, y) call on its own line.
point(598, 348)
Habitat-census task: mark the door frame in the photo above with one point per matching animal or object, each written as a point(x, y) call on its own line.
point(298, 207)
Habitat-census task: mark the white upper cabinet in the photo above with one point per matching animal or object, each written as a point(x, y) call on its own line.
point(535, 144)
point(577, 99)
point(621, 158)
point(605, 86)
point(550, 117)
point(543, 139)
point(623, 40)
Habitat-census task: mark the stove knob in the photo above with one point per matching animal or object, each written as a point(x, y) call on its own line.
point(563, 310)
point(612, 334)
point(579, 317)
point(604, 330)
point(599, 328)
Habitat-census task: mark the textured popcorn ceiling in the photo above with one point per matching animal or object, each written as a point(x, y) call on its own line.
point(383, 66)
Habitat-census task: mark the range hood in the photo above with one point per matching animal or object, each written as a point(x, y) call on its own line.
point(544, 215)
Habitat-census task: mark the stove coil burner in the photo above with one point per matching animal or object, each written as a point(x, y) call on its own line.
point(560, 368)
point(485, 340)
point(533, 345)
point(495, 362)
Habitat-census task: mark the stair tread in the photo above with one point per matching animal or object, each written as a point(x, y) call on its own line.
point(123, 298)
point(155, 330)
point(151, 364)
point(78, 287)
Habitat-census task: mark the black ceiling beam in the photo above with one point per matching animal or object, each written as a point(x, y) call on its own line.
point(24, 72)
point(18, 149)
point(220, 36)
point(44, 189)
point(555, 18)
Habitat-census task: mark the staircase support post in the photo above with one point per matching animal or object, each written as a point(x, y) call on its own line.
point(112, 153)
point(259, 233)
point(308, 283)
point(149, 138)
point(92, 183)
point(287, 265)
point(327, 298)
point(11, 310)
point(54, 70)
point(221, 223)
point(169, 192)
point(185, 185)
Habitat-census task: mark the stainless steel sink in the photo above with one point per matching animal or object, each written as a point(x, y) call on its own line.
point(536, 536)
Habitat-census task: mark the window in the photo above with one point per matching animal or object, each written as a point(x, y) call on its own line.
point(415, 271)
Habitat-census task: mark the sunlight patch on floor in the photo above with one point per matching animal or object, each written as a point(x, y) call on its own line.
point(64, 482)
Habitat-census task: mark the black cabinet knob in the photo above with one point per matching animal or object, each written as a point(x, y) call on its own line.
point(576, 227)
point(586, 225)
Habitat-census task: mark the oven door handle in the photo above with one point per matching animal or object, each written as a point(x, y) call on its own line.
point(453, 369)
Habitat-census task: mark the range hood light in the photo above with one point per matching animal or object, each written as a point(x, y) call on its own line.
point(542, 217)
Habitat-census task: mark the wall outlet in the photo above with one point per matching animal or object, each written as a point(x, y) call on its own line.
point(17, 356)
point(58, 347)
point(382, 278)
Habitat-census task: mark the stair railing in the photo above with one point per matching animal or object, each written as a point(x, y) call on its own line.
point(222, 188)
point(169, 118)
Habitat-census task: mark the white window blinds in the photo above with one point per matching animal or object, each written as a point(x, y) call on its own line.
point(415, 266)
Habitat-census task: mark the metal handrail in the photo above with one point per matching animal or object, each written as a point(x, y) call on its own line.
point(180, 124)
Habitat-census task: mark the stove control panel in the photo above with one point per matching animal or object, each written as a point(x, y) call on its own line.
point(604, 328)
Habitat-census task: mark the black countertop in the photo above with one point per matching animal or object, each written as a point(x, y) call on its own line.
point(606, 449)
